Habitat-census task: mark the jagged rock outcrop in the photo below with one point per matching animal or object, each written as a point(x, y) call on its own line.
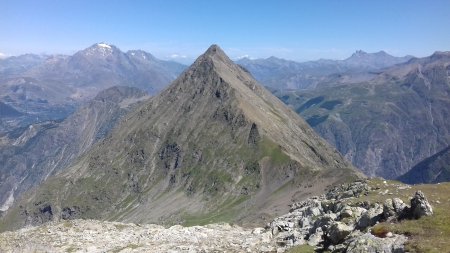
point(333, 222)
point(420, 206)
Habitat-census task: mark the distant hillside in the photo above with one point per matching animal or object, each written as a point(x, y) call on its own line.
point(30, 155)
point(8, 111)
point(388, 124)
point(16, 65)
point(434, 169)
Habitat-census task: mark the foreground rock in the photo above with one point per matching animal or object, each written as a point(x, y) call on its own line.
point(338, 222)
point(97, 236)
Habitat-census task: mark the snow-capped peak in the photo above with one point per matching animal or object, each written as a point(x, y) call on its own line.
point(101, 49)
point(104, 45)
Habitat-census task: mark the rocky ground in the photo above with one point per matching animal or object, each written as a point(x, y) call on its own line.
point(342, 220)
point(97, 236)
point(336, 222)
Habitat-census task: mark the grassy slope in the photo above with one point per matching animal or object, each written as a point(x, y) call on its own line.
point(428, 234)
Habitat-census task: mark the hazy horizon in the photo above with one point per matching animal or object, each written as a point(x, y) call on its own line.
point(180, 30)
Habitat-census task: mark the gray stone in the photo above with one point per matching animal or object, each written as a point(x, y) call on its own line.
point(337, 232)
point(399, 206)
point(420, 206)
point(313, 211)
point(388, 209)
point(316, 237)
point(323, 222)
point(370, 217)
point(368, 243)
point(346, 212)
point(358, 211)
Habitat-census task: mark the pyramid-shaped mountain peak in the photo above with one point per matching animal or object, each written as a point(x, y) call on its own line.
point(214, 49)
point(213, 54)
point(213, 144)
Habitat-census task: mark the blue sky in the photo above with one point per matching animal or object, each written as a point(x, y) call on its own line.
point(296, 30)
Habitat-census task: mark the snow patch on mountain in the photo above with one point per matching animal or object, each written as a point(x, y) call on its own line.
point(103, 45)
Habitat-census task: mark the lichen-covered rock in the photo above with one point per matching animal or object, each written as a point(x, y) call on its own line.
point(420, 206)
point(393, 209)
point(337, 232)
point(368, 243)
point(316, 237)
point(370, 217)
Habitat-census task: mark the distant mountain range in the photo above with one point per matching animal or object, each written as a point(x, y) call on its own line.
point(352, 103)
point(283, 74)
point(51, 87)
point(387, 124)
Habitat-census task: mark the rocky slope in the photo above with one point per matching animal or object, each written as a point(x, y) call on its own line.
point(434, 169)
point(283, 74)
point(30, 155)
point(213, 146)
point(341, 220)
point(386, 125)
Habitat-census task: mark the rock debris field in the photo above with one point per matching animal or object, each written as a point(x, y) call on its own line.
point(99, 236)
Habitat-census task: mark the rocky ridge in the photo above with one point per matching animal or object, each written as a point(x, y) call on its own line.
point(333, 222)
point(327, 222)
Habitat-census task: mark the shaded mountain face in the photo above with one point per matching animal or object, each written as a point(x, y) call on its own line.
point(283, 74)
point(214, 146)
point(29, 155)
point(434, 169)
point(387, 125)
point(52, 87)
point(7, 111)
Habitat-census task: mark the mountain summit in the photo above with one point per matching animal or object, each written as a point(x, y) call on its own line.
point(214, 146)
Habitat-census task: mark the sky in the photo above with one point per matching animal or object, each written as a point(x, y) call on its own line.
point(181, 30)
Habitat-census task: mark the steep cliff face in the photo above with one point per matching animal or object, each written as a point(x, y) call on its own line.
point(213, 146)
point(387, 125)
point(29, 156)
